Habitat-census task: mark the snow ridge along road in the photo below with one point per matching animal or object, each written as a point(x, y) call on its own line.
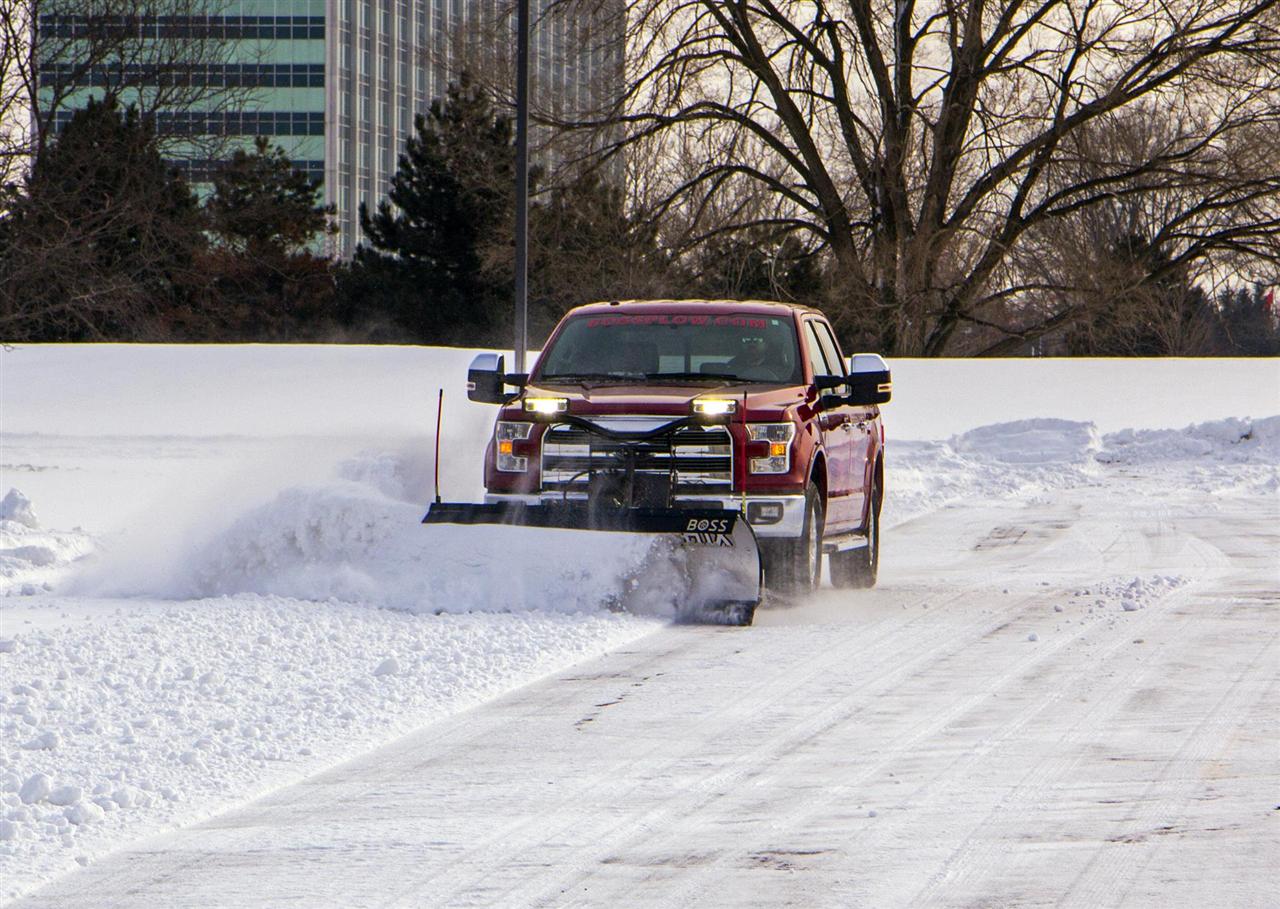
point(913, 745)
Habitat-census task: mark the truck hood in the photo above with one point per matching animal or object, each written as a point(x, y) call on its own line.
point(669, 399)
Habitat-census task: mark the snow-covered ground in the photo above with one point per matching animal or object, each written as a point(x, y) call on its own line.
point(216, 583)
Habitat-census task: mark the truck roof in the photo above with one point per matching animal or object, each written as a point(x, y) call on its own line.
point(762, 307)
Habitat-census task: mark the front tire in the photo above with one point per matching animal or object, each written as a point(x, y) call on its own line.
point(794, 567)
point(857, 568)
point(740, 614)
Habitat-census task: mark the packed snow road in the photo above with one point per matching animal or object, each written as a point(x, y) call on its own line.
point(1068, 698)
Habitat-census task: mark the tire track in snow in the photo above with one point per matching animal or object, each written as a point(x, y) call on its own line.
point(800, 813)
point(1162, 802)
point(767, 758)
point(975, 853)
point(894, 656)
point(844, 708)
point(890, 648)
point(907, 741)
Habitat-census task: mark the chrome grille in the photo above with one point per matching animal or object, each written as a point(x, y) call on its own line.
point(702, 457)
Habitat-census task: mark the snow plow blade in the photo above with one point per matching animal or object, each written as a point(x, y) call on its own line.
point(706, 559)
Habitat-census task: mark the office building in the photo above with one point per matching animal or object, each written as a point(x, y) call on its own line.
point(337, 83)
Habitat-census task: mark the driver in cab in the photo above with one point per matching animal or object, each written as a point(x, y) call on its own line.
point(756, 361)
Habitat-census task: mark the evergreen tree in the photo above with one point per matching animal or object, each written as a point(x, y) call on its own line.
point(584, 246)
point(262, 205)
point(436, 267)
point(267, 283)
point(1248, 322)
point(102, 238)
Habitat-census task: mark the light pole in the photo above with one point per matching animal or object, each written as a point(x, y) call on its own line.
point(522, 183)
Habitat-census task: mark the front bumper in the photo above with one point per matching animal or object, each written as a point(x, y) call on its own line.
point(790, 524)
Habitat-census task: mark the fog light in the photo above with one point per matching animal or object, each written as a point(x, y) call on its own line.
point(770, 465)
point(711, 408)
point(546, 406)
point(764, 512)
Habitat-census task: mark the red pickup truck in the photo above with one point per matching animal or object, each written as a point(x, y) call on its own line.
point(781, 428)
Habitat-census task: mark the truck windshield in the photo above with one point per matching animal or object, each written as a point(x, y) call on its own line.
point(740, 347)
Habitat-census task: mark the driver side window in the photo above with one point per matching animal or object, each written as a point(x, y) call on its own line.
point(830, 348)
point(835, 364)
point(821, 366)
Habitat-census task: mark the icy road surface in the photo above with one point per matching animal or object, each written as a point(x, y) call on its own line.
point(1062, 699)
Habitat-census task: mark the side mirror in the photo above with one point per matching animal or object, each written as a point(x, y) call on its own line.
point(487, 379)
point(869, 380)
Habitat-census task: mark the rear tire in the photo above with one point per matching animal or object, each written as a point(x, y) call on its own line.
point(794, 567)
point(857, 568)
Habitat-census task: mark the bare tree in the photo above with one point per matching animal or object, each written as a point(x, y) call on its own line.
point(921, 146)
point(18, 87)
point(1138, 269)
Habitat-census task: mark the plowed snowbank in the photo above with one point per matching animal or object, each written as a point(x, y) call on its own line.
point(1233, 440)
point(349, 542)
point(124, 717)
point(31, 557)
point(1042, 441)
point(1029, 457)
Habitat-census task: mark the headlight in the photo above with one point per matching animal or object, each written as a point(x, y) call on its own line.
point(711, 408)
point(778, 436)
point(506, 436)
point(546, 407)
